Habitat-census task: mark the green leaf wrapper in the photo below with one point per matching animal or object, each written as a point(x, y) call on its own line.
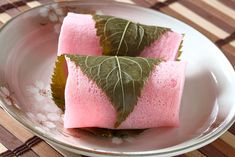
point(109, 133)
point(121, 78)
point(58, 82)
point(120, 37)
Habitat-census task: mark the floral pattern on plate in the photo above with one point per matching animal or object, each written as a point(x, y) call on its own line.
point(7, 96)
point(56, 13)
point(48, 114)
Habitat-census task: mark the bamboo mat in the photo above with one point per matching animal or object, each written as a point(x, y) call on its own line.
point(213, 18)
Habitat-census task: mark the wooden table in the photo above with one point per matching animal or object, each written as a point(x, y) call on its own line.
point(213, 18)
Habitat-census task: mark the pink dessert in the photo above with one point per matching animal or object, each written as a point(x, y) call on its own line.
point(78, 36)
point(86, 105)
point(159, 103)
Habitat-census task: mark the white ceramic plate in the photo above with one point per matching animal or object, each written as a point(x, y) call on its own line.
point(28, 49)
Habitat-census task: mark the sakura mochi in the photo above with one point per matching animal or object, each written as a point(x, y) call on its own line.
point(158, 105)
point(135, 91)
point(78, 36)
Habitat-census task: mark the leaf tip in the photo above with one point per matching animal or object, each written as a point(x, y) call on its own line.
point(179, 53)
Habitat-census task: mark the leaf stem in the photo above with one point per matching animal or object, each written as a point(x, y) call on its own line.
point(120, 76)
point(123, 35)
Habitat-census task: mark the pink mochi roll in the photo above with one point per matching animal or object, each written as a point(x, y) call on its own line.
point(78, 36)
point(88, 106)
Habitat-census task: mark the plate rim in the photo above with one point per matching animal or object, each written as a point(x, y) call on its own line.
point(188, 146)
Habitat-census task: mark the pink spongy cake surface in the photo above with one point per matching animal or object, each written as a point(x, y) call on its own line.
point(78, 36)
point(159, 103)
